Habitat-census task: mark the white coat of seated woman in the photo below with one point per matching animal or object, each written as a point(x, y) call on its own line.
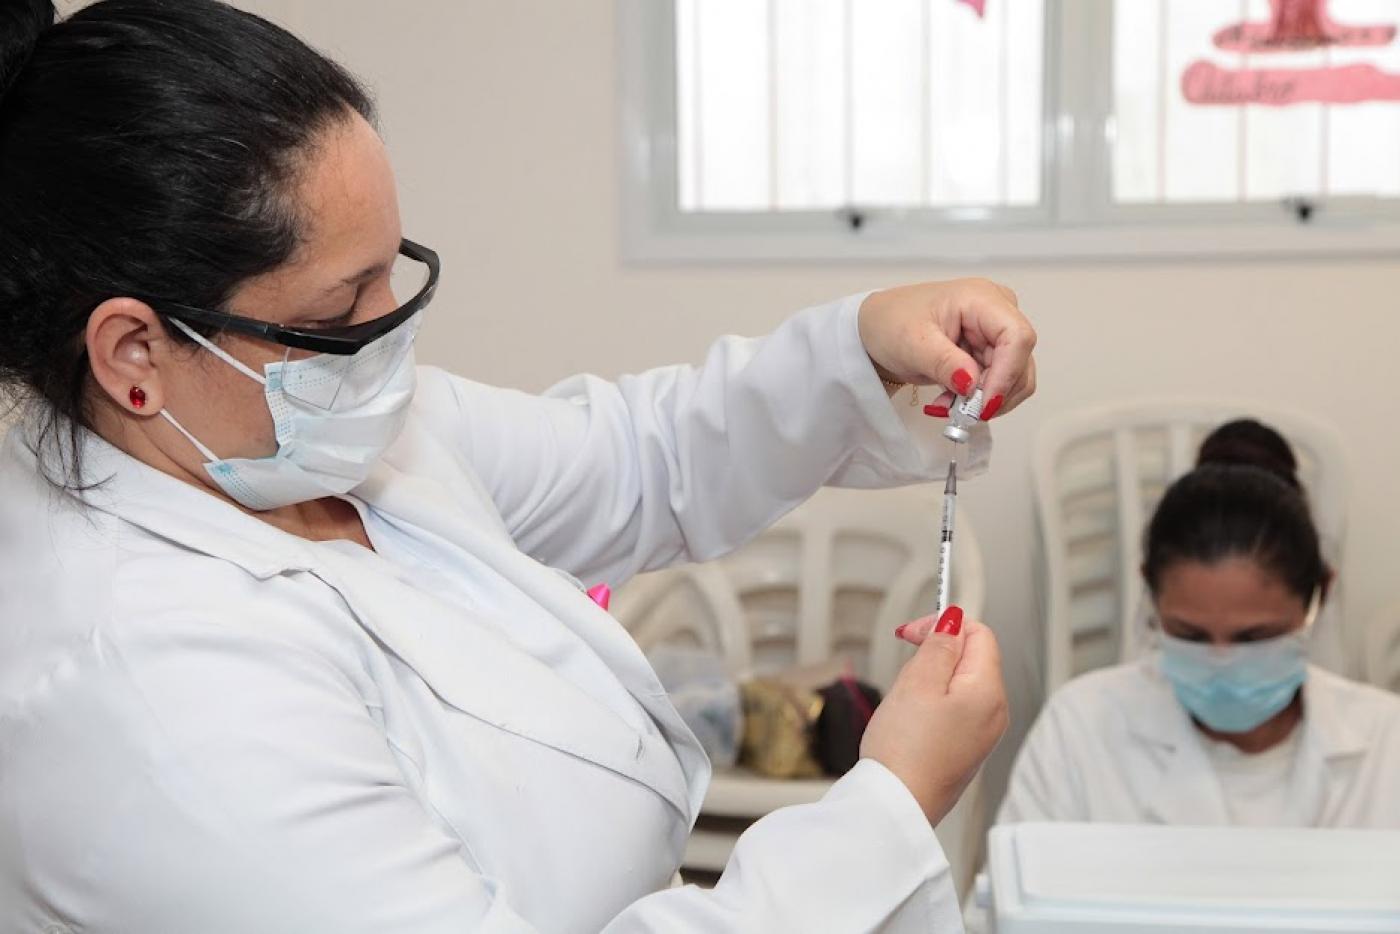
point(291, 637)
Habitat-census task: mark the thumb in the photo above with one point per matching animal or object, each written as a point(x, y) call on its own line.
point(941, 650)
point(980, 662)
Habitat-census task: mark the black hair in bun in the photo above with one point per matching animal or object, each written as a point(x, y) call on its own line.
point(22, 22)
point(1242, 500)
point(1249, 443)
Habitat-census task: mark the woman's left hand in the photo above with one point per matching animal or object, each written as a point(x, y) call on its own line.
point(955, 334)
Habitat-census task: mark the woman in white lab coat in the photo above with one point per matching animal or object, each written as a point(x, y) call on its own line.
point(292, 635)
point(1224, 722)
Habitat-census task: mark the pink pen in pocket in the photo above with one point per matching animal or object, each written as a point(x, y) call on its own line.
point(601, 595)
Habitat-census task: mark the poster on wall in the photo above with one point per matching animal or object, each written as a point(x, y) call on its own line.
point(1293, 26)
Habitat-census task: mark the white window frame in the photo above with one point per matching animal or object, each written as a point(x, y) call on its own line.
point(1074, 220)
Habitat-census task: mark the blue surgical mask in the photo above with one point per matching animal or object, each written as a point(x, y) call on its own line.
point(334, 418)
point(1236, 688)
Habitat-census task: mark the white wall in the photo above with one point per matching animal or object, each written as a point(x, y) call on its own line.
point(502, 117)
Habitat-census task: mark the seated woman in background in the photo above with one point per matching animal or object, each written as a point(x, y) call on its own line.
point(1224, 722)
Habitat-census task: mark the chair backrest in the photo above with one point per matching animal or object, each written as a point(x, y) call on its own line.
point(1098, 474)
point(1382, 653)
point(834, 577)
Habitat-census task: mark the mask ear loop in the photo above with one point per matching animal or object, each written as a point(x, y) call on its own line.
point(219, 352)
point(204, 452)
point(208, 455)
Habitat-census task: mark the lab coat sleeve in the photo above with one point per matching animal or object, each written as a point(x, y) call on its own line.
point(862, 859)
point(1044, 786)
point(685, 463)
point(246, 785)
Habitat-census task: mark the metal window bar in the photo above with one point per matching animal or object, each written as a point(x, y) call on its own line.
point(1004, 105)
point(926, 147)
point(774, 190)
point(849, 105)
point(1162, 84)
point(697, 90)
point(1242, 132)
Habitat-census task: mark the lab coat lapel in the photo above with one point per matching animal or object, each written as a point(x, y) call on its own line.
point(458, 516)
point(1184, 790)
point(1329, 746)
point(1188, 791)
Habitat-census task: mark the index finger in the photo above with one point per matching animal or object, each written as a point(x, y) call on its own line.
point(1013, 340)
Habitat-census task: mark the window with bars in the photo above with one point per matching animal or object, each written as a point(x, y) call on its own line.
point(808, 104)
point(968, 129)
point(1209, 104)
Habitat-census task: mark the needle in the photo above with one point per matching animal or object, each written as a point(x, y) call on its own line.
point(945, 544)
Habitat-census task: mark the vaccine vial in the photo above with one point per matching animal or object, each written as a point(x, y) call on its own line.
point(965, 412)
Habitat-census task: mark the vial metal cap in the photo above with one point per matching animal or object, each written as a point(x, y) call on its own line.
point(965, 412)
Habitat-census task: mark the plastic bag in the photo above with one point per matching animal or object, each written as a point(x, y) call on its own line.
point(706, 697)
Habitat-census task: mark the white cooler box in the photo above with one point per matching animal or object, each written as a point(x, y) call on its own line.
point(1119, 879)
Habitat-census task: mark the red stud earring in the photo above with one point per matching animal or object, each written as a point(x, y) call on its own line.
point(137, 397)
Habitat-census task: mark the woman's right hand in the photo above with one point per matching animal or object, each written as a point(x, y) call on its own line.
point(943, 716)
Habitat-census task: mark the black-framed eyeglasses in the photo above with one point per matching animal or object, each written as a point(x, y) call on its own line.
point(344, 340)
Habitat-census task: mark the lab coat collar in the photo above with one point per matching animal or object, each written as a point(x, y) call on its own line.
point(1330, 744)
point(124, 487)
point(1187, 792)
point(1337, 736)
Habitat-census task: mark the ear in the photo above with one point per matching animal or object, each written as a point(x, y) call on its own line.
point(119, 337)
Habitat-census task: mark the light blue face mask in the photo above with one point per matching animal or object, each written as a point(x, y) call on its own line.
point(1236, 688)
point(334, 417)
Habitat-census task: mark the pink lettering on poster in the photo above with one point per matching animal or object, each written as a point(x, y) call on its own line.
point(1207, 83)
point(1293, 26)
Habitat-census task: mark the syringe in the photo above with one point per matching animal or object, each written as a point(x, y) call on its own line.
point(963, 414)
point(945, 544)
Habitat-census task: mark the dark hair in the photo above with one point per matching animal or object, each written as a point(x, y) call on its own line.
point(1243, 500)
point(147, 147)
point(1250, 442)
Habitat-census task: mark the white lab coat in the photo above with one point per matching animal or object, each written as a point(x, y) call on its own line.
point(1116, 746)
point(209, 725)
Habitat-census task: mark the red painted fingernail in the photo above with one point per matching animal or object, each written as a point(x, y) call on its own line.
point(962, 382)
point(992, 408)
point(937, 411)
point(601, 595)
point(899, 631)
point(950, 623)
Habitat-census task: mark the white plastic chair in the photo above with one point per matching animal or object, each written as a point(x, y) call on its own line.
point(832, 578)
point(1382, 655)
point(1098, 474)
